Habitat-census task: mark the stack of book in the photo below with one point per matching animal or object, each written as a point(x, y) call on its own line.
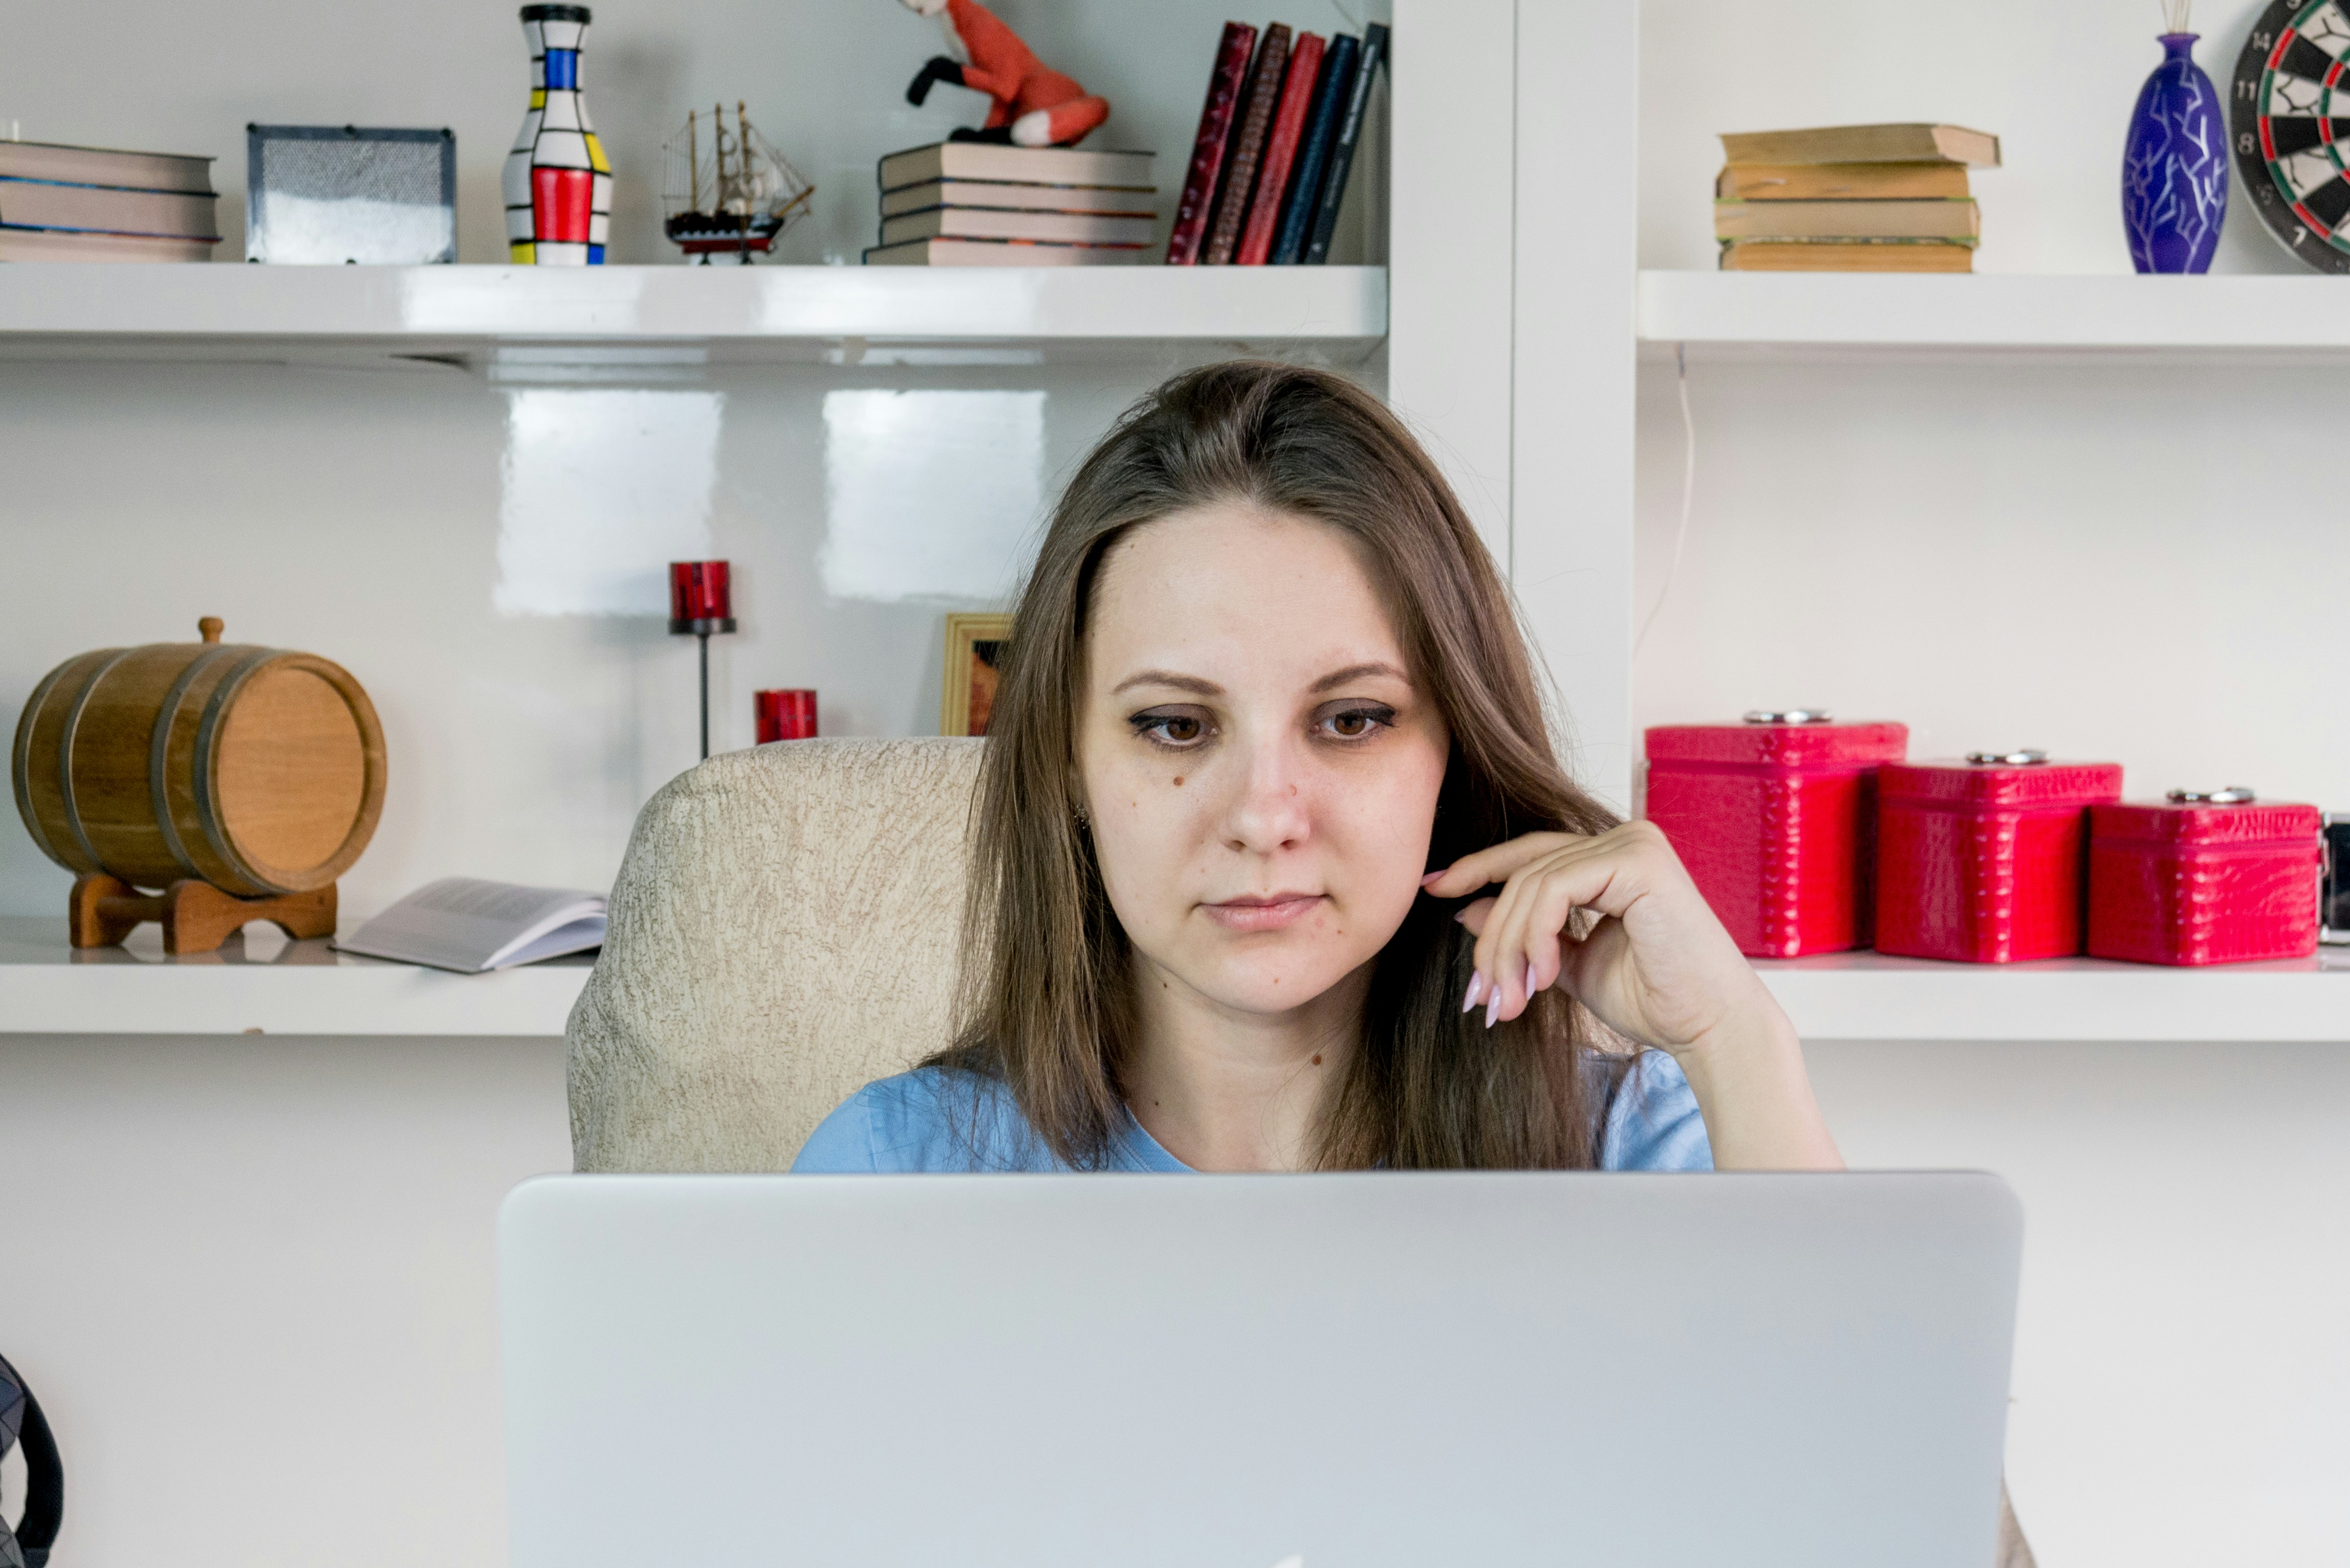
point(1851, 198)
point(987, 203)
point(1276, 141)
point(87, 203)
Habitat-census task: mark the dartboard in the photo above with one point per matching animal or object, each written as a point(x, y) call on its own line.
point(2290, 116)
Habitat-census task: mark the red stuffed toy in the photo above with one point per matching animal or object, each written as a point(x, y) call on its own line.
point(1033, 106)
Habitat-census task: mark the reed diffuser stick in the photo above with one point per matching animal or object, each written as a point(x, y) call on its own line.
point(2174, 16)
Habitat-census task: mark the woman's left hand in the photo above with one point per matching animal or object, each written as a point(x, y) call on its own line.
point(1657, 967)
point(1654, 966)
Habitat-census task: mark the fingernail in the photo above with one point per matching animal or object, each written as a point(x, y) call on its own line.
point(1460, 917)
point(1476, 990)
point(1530, 986)
point(1431, 879)
point(1494, 1007)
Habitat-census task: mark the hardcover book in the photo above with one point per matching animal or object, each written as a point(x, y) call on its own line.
point(1192, 213)
point(1248, 145)
point(1301, 206)
point(1342, 155)
point(1281, 151)
point(1866, 144)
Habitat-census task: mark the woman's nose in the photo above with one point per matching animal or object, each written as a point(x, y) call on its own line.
point(1272, 805)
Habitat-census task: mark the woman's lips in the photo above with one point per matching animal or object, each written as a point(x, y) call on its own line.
point(1272, 912)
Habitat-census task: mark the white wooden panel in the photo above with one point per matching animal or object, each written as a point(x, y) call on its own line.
point(1449, 251)
point(1573, 368)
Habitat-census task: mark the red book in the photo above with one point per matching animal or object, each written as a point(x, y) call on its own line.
point(1983, 860)
point(1774, 819)
point(1257, 105)
point(1208, 148)
point(1281, 151)
point(2211, 878)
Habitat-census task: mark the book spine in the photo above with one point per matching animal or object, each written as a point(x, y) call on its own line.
point(1342, 154)
point(1248, 144)
point(1208, 147)
point(1314, 154)
point(1281, 151)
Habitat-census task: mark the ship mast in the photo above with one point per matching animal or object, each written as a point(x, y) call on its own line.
point(693, 168)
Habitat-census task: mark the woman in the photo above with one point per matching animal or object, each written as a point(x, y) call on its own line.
point(1267, 739)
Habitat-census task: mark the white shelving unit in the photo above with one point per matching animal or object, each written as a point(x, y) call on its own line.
point(1808, 312)
point(275, 988)
point(1869, 996)
point(307, 988)
point(670, 314)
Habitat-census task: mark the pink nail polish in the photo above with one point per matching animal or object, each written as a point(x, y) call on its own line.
point(1494, 1007)
point(1431, 879)
point(1476, 990)
point(1531, 987)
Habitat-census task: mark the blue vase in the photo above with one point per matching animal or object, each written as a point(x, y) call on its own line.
point(2175, 166)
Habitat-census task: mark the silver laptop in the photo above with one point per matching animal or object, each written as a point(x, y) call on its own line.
point(1368, 1371)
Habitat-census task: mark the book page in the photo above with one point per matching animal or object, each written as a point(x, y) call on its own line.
point(470, 925)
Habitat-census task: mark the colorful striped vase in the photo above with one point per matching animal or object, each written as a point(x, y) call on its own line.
point(559, 185)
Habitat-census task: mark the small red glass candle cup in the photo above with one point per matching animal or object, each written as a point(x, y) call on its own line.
point(701, 598)
point(785, 715)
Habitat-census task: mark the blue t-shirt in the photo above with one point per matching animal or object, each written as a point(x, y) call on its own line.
point(936, 1119)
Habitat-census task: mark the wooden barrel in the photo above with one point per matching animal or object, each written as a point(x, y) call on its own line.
point(253, 769)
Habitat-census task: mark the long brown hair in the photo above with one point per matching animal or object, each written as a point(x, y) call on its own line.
point(1046, 1012)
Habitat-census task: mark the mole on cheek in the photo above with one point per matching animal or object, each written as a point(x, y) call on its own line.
point(1179, 781)
point(1317, 1058)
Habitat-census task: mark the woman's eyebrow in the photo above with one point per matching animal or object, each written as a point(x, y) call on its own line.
point(1191, 683)
point(1357, 672)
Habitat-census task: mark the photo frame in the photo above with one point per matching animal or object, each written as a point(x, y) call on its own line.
point(967, 692)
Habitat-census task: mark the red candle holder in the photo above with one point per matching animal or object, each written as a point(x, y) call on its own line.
point(700, 597)
point(700, 601)
point(785, 715)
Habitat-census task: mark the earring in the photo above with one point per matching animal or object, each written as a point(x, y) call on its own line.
point(1083, 822)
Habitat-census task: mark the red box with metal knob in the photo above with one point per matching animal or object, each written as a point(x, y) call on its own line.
point(2216, 876)
point(1981, 859)
point(1774, 818)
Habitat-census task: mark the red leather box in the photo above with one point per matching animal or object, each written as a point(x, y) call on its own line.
point(1774, 817)
point(2216, 878)
point(1982, 860)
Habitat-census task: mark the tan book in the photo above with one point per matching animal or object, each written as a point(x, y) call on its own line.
point(1017, 198)
point(1840, 181)
point(1000, 253)
point(1030, 165)
point(60, 246)
point(1849, 255)
point(105, 166)
point(1942, 220)
point(1866, 144)
point(991, 224)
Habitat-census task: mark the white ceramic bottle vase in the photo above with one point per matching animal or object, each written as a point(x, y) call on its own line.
point(559, 185)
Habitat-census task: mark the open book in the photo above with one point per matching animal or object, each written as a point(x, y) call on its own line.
point(471, 926)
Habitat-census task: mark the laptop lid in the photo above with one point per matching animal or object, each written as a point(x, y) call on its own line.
point(1359, 1371)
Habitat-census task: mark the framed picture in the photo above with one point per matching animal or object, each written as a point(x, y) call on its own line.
point(967, 695)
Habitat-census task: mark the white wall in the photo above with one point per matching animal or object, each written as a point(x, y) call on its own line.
point(252, 1281)
point(410, 525)
point(2125, 559)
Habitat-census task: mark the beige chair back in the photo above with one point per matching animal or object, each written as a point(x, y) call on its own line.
point(783, 933)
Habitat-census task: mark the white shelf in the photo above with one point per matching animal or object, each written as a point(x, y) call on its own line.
point(680, 315)
point(307, 988)
point(299, 987)
point(1780, 313)
point(1868, 996)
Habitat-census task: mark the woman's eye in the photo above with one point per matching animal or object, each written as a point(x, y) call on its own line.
point(1353, 724)
point(1170, 729)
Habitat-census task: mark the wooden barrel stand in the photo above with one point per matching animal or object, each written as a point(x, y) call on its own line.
point(197, 917)
point(240, 781)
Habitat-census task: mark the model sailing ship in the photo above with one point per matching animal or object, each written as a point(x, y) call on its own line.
point(729, 201)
